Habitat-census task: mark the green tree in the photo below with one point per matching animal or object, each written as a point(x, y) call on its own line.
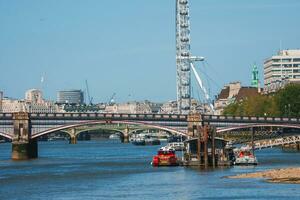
point(288, 100)
point(260, 105)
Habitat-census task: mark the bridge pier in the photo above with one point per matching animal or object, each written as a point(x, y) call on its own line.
point(125, 137)
point(73, 140)
point(23, 147)
point(73, 136)
point(24, 151)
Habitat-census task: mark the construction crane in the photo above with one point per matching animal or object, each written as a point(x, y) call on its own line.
point(90, 99)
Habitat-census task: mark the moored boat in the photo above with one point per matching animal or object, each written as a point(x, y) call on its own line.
point(244, 156)
point(152, 141)
point(165, 157)
point(176, 138)
point(178, 146)
point(57, 138)
point(139, 141)
point(114, 137)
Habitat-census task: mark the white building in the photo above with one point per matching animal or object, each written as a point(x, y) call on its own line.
point(33, 103)
point(169, 107)
point(12, 105)
point(281, 69)
point(133, 107)
point(45, 107)
point(34, 96)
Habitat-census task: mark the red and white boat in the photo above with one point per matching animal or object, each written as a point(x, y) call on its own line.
point(244, 156)
point(165, 157)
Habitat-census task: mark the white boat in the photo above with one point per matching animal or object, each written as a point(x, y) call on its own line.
point(244, 156)
point(57, 138)
point(178, 146)
point(114, 137)
point(139, 141)
point(152, 141)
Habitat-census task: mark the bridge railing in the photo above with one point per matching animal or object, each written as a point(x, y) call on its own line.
point(154, 117)
point(174, 117)
point(276, 142)
point(220, 118)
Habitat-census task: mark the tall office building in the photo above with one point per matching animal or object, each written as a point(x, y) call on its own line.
point(281, 69)
point(70, 97)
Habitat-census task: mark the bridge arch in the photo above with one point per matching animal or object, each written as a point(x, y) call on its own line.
point(109, 129)
point(220, 130)
point(91, 129)
point(51, 130)
point(5, 135)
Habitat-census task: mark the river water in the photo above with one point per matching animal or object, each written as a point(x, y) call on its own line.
point(111, 170)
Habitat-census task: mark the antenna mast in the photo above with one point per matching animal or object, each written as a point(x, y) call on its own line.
point(90, 99)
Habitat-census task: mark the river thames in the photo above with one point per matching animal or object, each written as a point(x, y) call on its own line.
point(108, 169)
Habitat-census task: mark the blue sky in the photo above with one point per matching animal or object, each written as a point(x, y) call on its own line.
point(128, 47)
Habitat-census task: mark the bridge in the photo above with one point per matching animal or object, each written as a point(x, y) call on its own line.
point(24, 128)
point(269, 143)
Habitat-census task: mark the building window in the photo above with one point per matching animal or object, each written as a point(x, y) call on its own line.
point(276, 70)
point(296, 59)
point(286, 66)
point(286, 60)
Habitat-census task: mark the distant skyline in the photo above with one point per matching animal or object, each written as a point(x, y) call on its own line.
point(128, 47)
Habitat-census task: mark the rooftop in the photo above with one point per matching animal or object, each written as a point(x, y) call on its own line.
point(292, 52)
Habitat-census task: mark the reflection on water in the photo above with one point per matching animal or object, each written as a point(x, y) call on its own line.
point(111, 170)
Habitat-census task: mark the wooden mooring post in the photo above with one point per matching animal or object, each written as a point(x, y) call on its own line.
point(213, 147)
point(205, 141)
point(199, 146)
point(252, 139)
